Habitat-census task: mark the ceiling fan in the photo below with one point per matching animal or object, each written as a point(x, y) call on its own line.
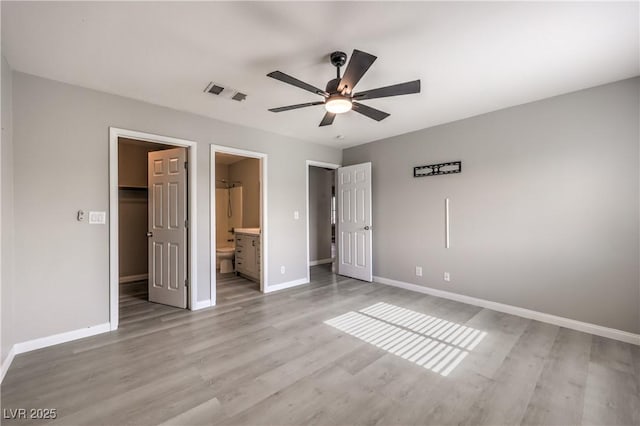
point(338, 94)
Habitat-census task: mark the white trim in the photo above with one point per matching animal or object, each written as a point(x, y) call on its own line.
point(323, 164)
point(446, 224)
point(314, 164)
point(320, 261)
point(202, 304)
point(288, 284)
point(264, 227)
point(4, 367)
point(114, 134)
point(56, 339)
point(133, 278)
point(598, 330)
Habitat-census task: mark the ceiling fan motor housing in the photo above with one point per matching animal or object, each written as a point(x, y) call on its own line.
point(332, 86)
point(338, 59)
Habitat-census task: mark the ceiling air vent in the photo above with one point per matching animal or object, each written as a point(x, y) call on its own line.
point(225, 92)
point(239, 97)
point(215, 89)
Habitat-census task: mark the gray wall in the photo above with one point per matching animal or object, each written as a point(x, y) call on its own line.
point(320, 183)
point(545, 214)
point(61, 165)
point(6, 156)
point(248, 172)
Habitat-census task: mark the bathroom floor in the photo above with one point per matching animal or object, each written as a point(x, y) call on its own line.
point(232, 288)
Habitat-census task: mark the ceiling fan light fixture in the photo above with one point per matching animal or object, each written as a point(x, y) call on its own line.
point(337, 104)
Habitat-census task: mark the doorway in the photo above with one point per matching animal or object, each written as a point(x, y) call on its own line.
point(152, 207)
point(133, 211)
point(152, 221)
point(238, 224)
point(321, 215)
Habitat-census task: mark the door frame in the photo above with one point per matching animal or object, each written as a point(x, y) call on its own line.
point(312, 163)
point(264, 228)
point(192, 232)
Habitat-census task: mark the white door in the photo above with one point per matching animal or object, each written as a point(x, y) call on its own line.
point(167, 180)
point(353, 191)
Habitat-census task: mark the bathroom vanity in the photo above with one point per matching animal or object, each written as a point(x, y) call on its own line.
point(248, 253)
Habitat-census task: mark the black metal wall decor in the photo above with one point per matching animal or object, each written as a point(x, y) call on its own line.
point(438, 169)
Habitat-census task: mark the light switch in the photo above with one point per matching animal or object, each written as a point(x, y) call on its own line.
point(97, 218)
point(296, 215)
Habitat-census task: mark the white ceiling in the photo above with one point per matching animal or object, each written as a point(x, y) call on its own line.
point(472, 58)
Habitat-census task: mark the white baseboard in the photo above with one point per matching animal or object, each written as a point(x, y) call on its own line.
point(201, 304)
point(43, 342)
point(288, 284)
point(320, 262)
point(598, 330)
point(133, 278)
point(4, 367)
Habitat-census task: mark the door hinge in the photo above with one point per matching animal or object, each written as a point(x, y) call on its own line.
point(186, 165)
point(186, 223)
point(186, 283)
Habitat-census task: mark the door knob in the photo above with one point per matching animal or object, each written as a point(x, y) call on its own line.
point(149, 234)
point(366, 228)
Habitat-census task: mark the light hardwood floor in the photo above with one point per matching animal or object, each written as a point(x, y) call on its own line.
point(272, 360)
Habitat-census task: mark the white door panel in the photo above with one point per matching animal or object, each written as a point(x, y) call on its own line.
point(354, 221)
point(345, 248)
point(167, 227)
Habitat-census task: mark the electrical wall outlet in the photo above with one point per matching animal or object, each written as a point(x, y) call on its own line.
point(447, 277)
point(418, 271)
point(282, 269)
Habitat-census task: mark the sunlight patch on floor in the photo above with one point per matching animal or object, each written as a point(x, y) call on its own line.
point(431, 342)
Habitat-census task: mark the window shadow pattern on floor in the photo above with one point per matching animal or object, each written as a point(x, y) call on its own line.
point(431, 342)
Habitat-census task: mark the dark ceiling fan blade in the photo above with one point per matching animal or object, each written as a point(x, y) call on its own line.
point(397, 89)
point(327, 120)
point(295, 82)
point(376, 114)
point(290, 107)
point(358, 64)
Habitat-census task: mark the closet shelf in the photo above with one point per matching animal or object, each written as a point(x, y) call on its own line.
point(137, 188)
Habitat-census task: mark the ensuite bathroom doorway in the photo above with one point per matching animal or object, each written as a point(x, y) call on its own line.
point(238, 227)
